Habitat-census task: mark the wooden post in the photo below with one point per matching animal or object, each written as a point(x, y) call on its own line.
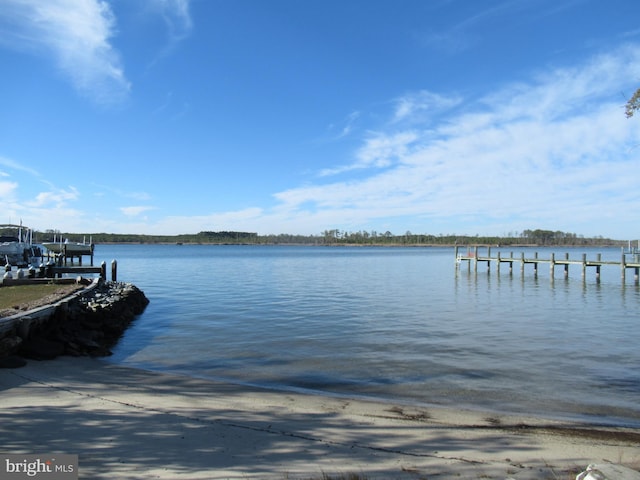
point(498, 268)
point(535, 264)
point(60, 263)
point(584, 266)
point(598, 257)
point(456, 255)
point(552, 262)
point(636, 276)
point(103, 271)
point(623, 267)
point(114, 270)
point(92, 248)
point(566, 266)
point(522, 263)
point(475, 258)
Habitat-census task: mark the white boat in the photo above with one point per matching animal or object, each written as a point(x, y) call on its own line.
point(70, 248)
point(17, 247)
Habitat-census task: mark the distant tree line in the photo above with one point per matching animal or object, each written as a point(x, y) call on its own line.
point(342, 237)
point(206, 237)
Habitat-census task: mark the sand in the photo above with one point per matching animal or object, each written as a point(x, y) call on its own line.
point(133, 424)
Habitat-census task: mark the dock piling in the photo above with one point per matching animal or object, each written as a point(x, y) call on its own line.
point(475, 259)
point(114, 271)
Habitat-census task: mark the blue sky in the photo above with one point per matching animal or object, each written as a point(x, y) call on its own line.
point(299, 116)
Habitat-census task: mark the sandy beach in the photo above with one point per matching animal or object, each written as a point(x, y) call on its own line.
point(134, 424)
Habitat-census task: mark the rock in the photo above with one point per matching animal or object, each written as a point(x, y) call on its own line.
point(87, 325)
point(40, 348)
point(9, 345)
point(24, 327)
point(12, 361)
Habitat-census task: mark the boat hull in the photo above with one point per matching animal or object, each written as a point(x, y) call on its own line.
point(20, 254)
point(17, 247)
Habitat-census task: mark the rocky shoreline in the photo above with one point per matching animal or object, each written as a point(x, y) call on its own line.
point(88, 324)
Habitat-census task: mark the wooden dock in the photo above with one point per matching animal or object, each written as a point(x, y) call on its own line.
point(52, 273)
point(72, 252)
point(473, 255)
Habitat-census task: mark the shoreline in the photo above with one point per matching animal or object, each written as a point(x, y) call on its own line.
point(588, 415)
point(132, 423)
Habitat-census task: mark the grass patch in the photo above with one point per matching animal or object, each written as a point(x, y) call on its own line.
point(17, 297)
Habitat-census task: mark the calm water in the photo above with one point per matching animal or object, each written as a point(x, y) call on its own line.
point(399, 324)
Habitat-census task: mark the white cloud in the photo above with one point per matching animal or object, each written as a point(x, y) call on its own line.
point(102, 190)
point(39, 209)
point(419, 106)
point(135, 211)
point(569, 91)
point(78, 33)
point(348, 124)
point(177, 17)
point(7, 190)
point(247, 220)
point(378, 151)
point(466, 33)
point(13, 165)
point(57, 198)
point(140, 196)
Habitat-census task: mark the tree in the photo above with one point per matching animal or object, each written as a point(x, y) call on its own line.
point(633, 104)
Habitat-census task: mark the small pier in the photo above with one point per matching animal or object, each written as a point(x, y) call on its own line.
point(473, 255)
